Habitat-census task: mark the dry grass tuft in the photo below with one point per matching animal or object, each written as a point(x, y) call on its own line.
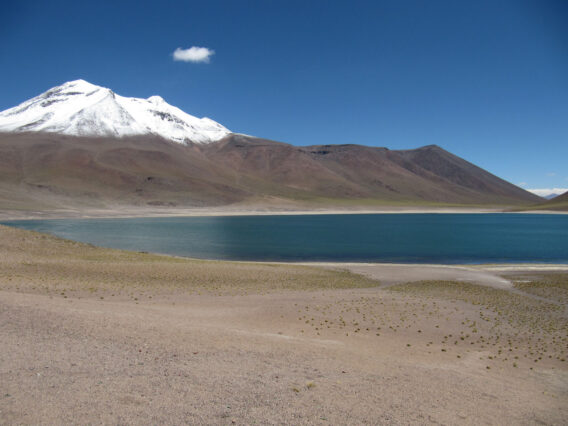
point(509, 325)
point(39, 263)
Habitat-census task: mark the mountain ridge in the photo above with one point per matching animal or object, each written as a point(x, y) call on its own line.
point(63, 170)
point(79, 108)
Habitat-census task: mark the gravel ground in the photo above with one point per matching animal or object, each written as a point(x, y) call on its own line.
point(86, 339)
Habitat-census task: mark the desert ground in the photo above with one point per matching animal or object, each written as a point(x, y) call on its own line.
point(92, 335)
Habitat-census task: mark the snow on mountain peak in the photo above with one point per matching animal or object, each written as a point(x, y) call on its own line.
point(83, 109)
point(156, 100)
point(80, 85)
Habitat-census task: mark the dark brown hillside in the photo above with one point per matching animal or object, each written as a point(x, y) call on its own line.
point(40, 171)
point(427, 173)
point(278, 169)
point(66, 170)
point(380, 173)
point(457, 171)
point(354, 172)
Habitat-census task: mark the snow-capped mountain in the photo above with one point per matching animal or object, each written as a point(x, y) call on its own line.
point(80, 108)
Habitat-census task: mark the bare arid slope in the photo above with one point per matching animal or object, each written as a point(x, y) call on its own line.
point(357, 173)
point(559, 203)
point(40, 171)
point(100, 336)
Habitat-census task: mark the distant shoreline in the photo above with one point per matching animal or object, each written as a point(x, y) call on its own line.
point(132, 212)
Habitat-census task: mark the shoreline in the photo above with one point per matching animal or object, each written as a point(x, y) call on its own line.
point(486, 274)
point(488, 267)
point(489, 275)
point(132, 213)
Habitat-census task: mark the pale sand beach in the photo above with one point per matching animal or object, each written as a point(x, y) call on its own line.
point(238, 210)
point(92, 335)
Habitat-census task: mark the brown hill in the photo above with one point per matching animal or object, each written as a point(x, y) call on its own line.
point(559, 203)
point(44, 171)
point(356, 173)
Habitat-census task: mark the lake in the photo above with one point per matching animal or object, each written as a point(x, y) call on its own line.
point(404, 238)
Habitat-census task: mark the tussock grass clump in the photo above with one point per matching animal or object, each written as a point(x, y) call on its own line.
point(503, 305)
point(553, 286)
point(510, 325)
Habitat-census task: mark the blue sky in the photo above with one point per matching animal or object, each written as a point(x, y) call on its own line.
point(486, 80)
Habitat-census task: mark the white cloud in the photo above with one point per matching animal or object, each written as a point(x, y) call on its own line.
point(551, 174)
point(543, 192)
point(193, 54)
point(522, 184)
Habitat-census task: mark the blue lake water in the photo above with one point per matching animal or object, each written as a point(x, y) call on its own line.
point(405, 238)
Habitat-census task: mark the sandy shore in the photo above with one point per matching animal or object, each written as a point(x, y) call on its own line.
point(93, 335)
point(487, 275)
point(131, 212)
